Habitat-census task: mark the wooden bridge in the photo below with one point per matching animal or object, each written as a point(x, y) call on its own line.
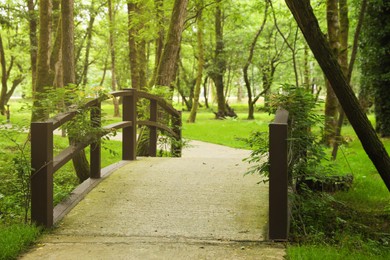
point(200, 205)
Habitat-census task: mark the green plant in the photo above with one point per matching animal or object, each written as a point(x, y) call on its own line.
point(307, 156)
point(15, 173)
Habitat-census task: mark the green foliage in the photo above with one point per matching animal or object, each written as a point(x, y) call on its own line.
point(16, 238)
point(306, 155)
point(15, 173)
point(375, 61)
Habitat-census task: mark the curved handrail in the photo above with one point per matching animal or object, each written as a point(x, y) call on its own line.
point(45, 164)
point(64, 117)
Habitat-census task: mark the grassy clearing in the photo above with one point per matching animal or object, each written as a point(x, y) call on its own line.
point(225, 132)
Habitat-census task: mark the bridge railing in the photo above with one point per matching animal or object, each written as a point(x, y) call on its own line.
point(278, 177)
point(44, 164)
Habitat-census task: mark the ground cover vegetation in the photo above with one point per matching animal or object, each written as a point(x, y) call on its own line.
point(223, 59)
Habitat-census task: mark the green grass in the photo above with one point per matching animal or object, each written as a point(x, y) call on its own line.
point(225, 132)
point(324, 252)
point(16, 238)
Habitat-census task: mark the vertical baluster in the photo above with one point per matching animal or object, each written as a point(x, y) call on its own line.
point(153, 129)
point(129, 142)
point(95, 148)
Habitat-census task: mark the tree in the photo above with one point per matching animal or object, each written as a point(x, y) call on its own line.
point(201, 62)
point(6, 93)
point(111, 18)
point(376, 62)
point(80, 161)
point(167, 67)
point(348, 70)
point(32, 21)
point(219, 62)
point(252, 101)
point(331, 103)
point(303, 14)
point(43, 78)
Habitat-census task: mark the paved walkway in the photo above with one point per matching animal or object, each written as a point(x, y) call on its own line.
point(199, 206)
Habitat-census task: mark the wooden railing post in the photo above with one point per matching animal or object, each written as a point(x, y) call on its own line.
point(177, 124)
point(129, 113)
point(153, 129)
point(42, 173)
point(278, 178)
point(95, 148)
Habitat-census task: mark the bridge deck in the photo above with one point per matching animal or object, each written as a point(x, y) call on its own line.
point(198, 206)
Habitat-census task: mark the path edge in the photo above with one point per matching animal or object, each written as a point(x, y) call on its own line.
point(79, 193)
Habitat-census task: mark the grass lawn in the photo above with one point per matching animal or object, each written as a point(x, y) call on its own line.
point(225, 132)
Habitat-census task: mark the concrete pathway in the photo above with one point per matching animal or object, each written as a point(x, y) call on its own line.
point(200, 206)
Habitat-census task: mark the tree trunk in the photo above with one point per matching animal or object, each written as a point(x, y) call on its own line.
point(251, 104)
point(167, 68)
point(205, 92)
point(32, 22)
point(159, 5)
point(92, 17)
point(291, 46)
point(111, 17)
point(198, 84)
point(80, 161)
point(306, 70)
point(343, 60)
point(143, 64)
point(303, 14)
point(43, 60)
point(133, 55)
point(4, 77)
point(331, 103)
point(219, 62)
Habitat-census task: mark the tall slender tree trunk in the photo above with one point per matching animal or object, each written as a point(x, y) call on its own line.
point(43, 60)
point(80, 162)
point(201, 61)
point(303, 14)
point(33, 25)
point(4, 77)
point(306, 70)
point(219, 61)
point(251, 104)
point(331, 103)
point(137, 46)
point(91, 22)
point(343, 60)
point(133, 54)
point(167, 68)
point(111, 17)
point(159, 5)
point(143, 64)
